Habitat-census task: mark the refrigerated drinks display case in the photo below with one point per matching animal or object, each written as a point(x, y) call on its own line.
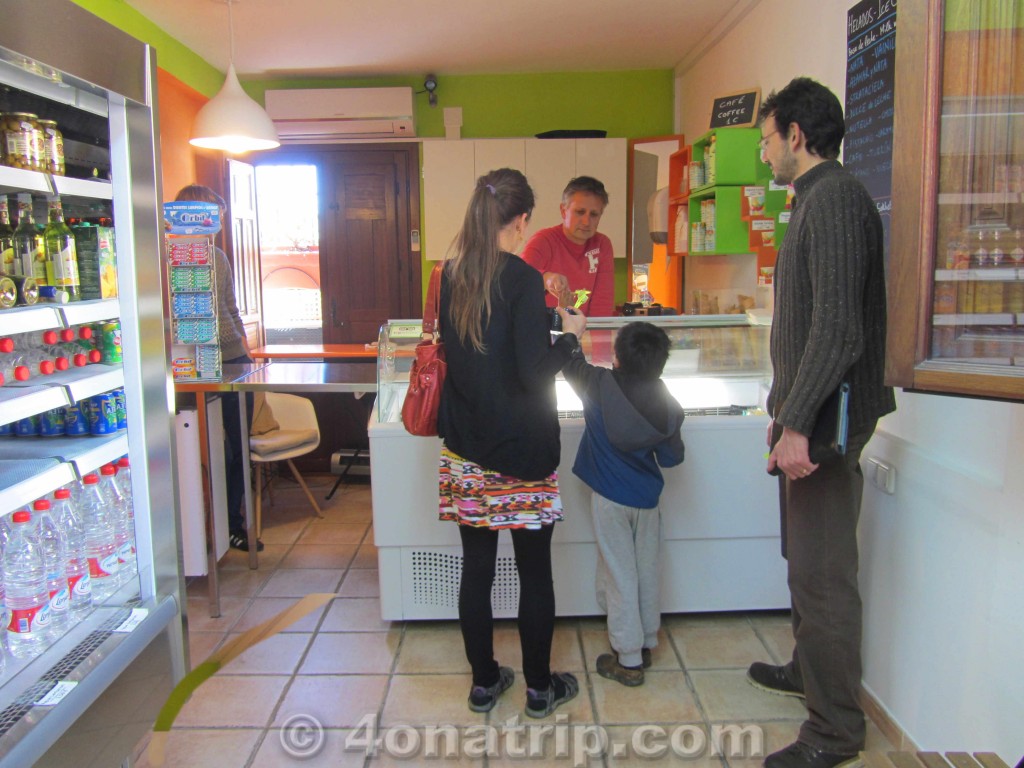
point(720, 519)
point(92, 691)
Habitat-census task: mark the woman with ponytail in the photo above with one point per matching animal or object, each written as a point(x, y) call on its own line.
point(499, 423)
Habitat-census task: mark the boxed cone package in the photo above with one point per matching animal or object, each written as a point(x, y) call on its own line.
point(97, 262)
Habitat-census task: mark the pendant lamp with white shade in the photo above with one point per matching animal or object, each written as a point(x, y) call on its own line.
point(232, 121)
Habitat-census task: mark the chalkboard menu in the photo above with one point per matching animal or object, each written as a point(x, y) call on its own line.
point(870, 79)
point(735, 110)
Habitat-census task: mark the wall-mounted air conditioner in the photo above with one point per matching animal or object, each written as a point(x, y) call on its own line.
point(328, 115)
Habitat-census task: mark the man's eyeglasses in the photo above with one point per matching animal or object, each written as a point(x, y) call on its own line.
point(763, 143)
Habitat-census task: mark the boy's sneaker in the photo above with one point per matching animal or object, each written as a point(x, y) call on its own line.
point(645, 654)
point(608, 666)
point(563, 688)
point(483, 699)
point(240, 540)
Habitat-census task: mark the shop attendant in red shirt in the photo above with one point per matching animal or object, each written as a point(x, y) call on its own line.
point(574, 255)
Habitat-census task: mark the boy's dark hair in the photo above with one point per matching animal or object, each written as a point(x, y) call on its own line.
point(642, 350)
point(587, 184)
point(814, 108)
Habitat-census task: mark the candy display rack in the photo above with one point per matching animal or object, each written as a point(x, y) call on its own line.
point(192, 285)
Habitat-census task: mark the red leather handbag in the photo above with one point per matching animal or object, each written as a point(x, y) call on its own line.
point(426, 377)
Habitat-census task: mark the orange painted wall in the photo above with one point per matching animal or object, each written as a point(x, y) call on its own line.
point(178, 105)
point(665, 280)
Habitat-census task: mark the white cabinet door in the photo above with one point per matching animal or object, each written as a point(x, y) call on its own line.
point(550, 163)
point(605, 159)
point(450, 169)
point(449, 173)
point(491, 154)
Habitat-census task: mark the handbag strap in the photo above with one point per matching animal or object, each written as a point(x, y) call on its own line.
point(433, 305)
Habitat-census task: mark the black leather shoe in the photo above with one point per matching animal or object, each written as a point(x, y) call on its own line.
point(771, 678)
point(800, 755)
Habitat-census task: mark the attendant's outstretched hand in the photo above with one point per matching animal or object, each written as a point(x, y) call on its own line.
point(558, 286)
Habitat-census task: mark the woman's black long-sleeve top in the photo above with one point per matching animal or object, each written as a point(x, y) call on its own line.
point(498, 407)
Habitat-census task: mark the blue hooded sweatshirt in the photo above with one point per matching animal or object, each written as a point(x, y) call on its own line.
point(632, 429)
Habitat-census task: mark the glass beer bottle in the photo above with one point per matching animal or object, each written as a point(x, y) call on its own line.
point(61, 257)
point(6, 238)
point(26, 252)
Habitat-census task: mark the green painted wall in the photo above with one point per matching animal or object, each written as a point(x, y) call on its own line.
point(625, 104)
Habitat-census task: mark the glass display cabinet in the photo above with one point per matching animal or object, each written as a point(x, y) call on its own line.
point(719, 508)
point(95, 686)
point(956, 275)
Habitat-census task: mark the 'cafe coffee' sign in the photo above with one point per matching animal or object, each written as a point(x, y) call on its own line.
point(736, 110)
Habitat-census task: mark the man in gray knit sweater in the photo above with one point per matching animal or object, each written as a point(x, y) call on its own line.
point(829, 327)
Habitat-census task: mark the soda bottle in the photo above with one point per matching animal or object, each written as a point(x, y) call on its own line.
point(118, 506)
point(99, 540)
point(79, 583)
point(110, 343)
point(55, 562)
point(25, 595)
point(61, 257)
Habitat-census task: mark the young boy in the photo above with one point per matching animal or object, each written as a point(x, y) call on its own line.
point(632, 428)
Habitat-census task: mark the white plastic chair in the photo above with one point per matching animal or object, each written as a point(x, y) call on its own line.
point(298, 434)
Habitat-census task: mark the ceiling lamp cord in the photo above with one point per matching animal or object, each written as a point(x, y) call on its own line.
point(232, 121)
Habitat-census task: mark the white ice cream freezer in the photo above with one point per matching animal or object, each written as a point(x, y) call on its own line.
point(720, 518)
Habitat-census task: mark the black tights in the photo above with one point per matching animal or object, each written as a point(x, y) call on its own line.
point(536, 602)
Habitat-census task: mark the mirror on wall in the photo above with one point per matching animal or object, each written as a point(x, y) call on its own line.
point(648, 174)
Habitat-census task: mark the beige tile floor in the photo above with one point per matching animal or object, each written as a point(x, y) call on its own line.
point(308, 696)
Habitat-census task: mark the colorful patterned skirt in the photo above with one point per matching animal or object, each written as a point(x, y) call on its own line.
point(474, 496)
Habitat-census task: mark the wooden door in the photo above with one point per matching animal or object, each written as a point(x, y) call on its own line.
point(235, 181)
point(368, 271)
point(245, 247)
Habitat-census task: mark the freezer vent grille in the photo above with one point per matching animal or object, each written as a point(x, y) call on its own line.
point(12, 713)
point(723, 410)
point(436, 576)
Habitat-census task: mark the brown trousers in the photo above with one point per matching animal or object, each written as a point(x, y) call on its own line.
point(819, 516)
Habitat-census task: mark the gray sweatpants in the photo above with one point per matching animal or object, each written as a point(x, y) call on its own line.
point(628, 540)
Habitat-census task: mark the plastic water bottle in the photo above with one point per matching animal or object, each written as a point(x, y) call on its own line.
point(118, 506)
point(5, 532)
point(3, 618)
point(124, 481)
point(35, 361)
point(124, 476)
point(77, 571)
point(55, 562)
point(11, 369)
point(99, 540)
point(25, 595)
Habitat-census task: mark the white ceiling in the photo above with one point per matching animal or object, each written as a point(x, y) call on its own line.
point(366, 38)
